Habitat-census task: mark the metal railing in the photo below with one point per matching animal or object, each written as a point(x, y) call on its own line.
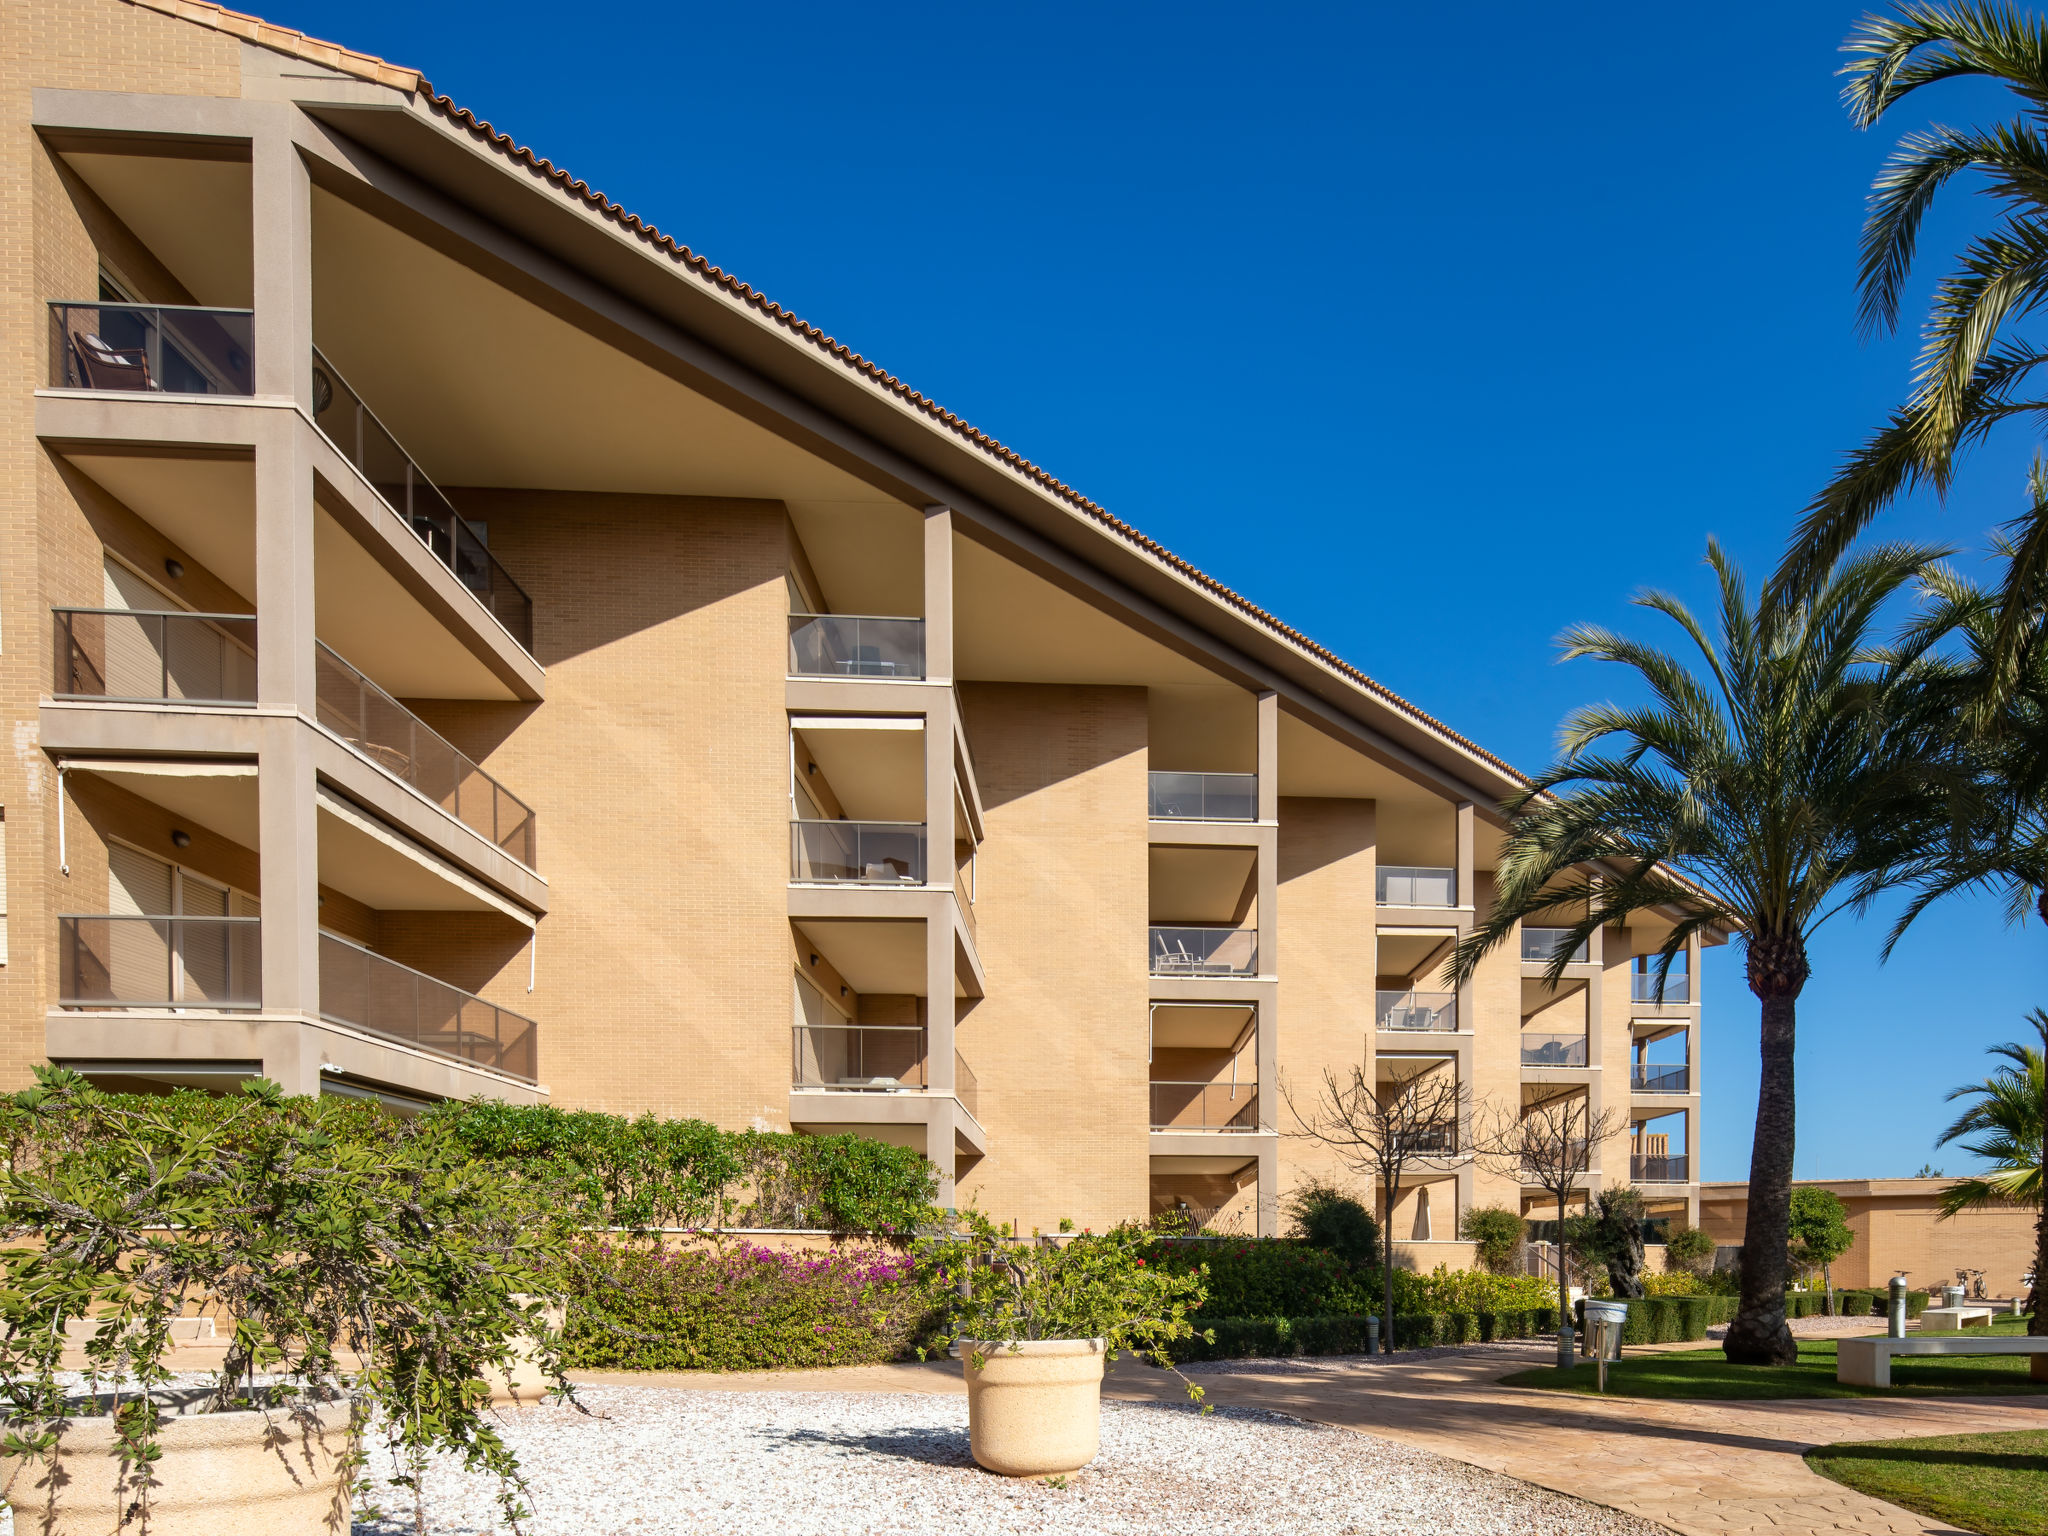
point(353, 428)
point(1436, 1012)
point(1553, 1050)
point(966, 1086)
point(1204, 951)
point(1655, 1077)
point(858, 1058)
point(857, 852)
point(1546, 1159)
point(1643, 987)
point(405, 746)
point(1202, 796)
point(855, 645)
point(110, 961)
point(1657, 1170)
point(148, 655)
point(1402, 885)
point(174, 349)
point(382, 997)
point(1430, 1141)
point(1540, 946)
point(1205, 1106)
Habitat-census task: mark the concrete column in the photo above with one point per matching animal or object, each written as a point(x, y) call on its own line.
point(281, 196)
point(938, 1140)
point(1269, 757)
point(938, 594)
point(1269, 1192)
point(289, 873)
point(1466, 889)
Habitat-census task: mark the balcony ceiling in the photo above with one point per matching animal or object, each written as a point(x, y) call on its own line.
point(1201, 886)
point(874, 955)
point(194, 215)
point(1198, 1027)
point(1403, 954)
point(877, 772)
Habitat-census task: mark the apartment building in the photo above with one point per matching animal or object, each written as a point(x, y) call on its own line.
point(458, 641)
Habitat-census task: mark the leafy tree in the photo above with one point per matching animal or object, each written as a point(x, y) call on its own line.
point(1326, 1217)
point(1689, 1249)
point(1794, 771)
point(1616, 1239)
point(1497, 1233)
point(1818, 1234)
point(2008, 1117)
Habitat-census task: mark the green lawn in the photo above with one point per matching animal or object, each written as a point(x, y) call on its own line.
point(1993, 1484)
point(1706, 1373)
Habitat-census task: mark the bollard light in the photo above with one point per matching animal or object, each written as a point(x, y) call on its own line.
point(1895, 1310)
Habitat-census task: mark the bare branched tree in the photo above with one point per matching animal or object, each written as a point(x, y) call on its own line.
point(1389, 1133)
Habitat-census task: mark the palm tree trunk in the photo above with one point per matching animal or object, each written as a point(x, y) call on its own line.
point(2037, 1304)
point(1759, 1336)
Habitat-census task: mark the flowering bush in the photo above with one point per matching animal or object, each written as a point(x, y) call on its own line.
point(1465, 1290)
point(1268, 1276)
point(744, 1308)
point(1674, 1282)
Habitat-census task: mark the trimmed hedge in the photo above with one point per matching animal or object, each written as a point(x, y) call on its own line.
point(1262, 1277)
point(1874, 1302)
point(1669, 1319)
point(1246, 1338)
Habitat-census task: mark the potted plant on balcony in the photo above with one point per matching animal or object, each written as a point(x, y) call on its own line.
point(1036, 1319)
point(367, 1274)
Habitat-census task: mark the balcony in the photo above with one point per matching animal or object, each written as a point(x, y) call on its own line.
point(1544, 1157)
point(382, 997)
point(1403, 885)
point(857, 852)
point(1202, 796)
point(1205, 1106)
point(1430, 1012)
point(855, 645)
point(1657, 1170)
point(151, 657)
point(159, 962)
point(152, 349)
point(1654, 1077)
point(966, 1086)
point(356, 433)
point(1540, 947)
point(1431, 1141)
point(1552, 1050)
point(1204, 951)
point(1643, 987)
point(387, 733)
point(858, 1058)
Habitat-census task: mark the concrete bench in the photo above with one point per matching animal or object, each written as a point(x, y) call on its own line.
point(1868, 1362)
point(1937, 1319)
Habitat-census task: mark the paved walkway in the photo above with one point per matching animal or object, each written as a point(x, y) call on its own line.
point(1704, 1469)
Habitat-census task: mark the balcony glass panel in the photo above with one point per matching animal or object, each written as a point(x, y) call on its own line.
point(857, 852)
point(1540, 946)
point(1205, 1106)
point(152, 349)
point(1434, 1011)
point(966, 1086)
point(1205, 951)
point(1552, 1050)
point(855, 1058)
point(1657, 1170)
point(1643, 987)
point(1203, 796)
point(159, 962)
point(855, 645)
point(1544, 1156)
point(1432, 1141)
point(382, 997)
point(1657, 1077)
point(1414, 886)
point(398, 741)
point(184, 658)
point(353, 428)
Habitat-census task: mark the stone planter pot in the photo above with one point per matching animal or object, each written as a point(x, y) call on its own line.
point(526, 1386)
point(222, 1474)
point(1034, 1408)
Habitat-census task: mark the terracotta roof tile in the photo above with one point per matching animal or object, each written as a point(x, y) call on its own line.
point(286, 40)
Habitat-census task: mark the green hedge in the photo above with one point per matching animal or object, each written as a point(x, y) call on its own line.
point(1263, 1277)
point(1245, 1338)
point(1669, 1319)
point(1875, 1302)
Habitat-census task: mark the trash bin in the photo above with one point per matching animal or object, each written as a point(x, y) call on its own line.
point(1952, 1295)
point(1604, 1322)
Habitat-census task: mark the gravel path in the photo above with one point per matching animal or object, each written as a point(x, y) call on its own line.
point(648, 1460)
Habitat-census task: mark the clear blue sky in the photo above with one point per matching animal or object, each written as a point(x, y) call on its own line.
point(1432, 329)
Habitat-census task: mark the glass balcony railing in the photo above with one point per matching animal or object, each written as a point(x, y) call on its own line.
point(382, 997)
point(1540, 946)
point(405, 746)
point(171, 656)
point(1431, 1141)
point(353, 428)
point(1553, 1050)
point(858, 1058)
point(1400, 885)
point(1178, 1106)
point(1657, 1170)
point(1659, 1077)
point(857, 852)
point(159, 962)
point(855, 645)
point(1205, 951)
point(966, 1086)
point(1203, 796)
point(1545, 1156)
point(1436, 1012)
point(152, 348)
point(1643, 987)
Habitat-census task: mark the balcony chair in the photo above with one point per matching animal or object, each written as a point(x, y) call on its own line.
point(105, 366)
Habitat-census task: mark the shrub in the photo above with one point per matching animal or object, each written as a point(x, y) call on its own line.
point(1242, 1338)
point(1469, 1290)
point(1671, 1319)
point(1267, 1276)
point(1325, 1217)
point(1688, 1249)
point(1674, 1282)
point(745, 1308)
point(1497, 1231)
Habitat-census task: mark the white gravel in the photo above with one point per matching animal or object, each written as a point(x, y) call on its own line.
point(651, 1460)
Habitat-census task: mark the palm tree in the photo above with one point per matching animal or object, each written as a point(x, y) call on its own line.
point(1974, 371)
point(1796, 772)
point(2008, 1116)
